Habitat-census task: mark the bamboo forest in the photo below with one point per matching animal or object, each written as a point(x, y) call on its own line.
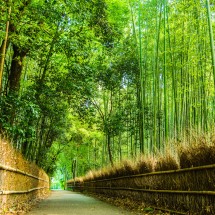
point(89, 83)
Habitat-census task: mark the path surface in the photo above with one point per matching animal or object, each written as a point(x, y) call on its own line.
point(66, 202)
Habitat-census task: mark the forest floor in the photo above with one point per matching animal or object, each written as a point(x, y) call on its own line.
point(72, 203)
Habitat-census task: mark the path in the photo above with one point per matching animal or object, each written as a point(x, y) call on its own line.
point(71, 203)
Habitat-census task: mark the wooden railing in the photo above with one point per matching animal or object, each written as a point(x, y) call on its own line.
point(10, 169)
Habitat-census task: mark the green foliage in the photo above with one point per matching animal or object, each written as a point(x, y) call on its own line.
point(97, 81)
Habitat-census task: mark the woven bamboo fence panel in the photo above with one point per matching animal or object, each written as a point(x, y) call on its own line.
point(21, 182)
point(185, 191)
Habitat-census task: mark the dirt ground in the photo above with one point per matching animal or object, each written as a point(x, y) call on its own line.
point(72, 203)
point(136, 207)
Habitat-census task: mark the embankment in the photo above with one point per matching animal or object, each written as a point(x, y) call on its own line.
point(21, 182)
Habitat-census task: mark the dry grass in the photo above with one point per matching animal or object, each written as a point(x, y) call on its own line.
point(200, 152)
point(166, 163)
point(195, 150)
point(145, 165)
point(197, 156)
point(125, 168)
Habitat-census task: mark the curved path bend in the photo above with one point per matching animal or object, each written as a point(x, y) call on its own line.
point(72, 203)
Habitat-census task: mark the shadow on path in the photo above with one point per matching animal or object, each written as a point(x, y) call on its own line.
point(67, 202)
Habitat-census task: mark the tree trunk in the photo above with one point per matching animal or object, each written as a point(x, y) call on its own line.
point(16, 69)
point(109, 148)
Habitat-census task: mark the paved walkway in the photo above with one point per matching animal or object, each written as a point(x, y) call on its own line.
point(71, 203)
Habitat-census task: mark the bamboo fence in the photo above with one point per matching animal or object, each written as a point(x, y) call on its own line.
point(10, 169)
point(21, 182)
point(184, 191)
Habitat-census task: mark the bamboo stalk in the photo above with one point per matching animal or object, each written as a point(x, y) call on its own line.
point(166, 124)
point(21, 191)
point(4, 50)
point(10, 169)
point(211, 38)
point(159, 173)
point(168, 210)
point(211, 193)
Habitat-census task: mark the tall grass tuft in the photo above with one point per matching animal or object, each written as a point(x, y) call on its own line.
point(166, 163)
point(144, 165)
point(200, 152)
